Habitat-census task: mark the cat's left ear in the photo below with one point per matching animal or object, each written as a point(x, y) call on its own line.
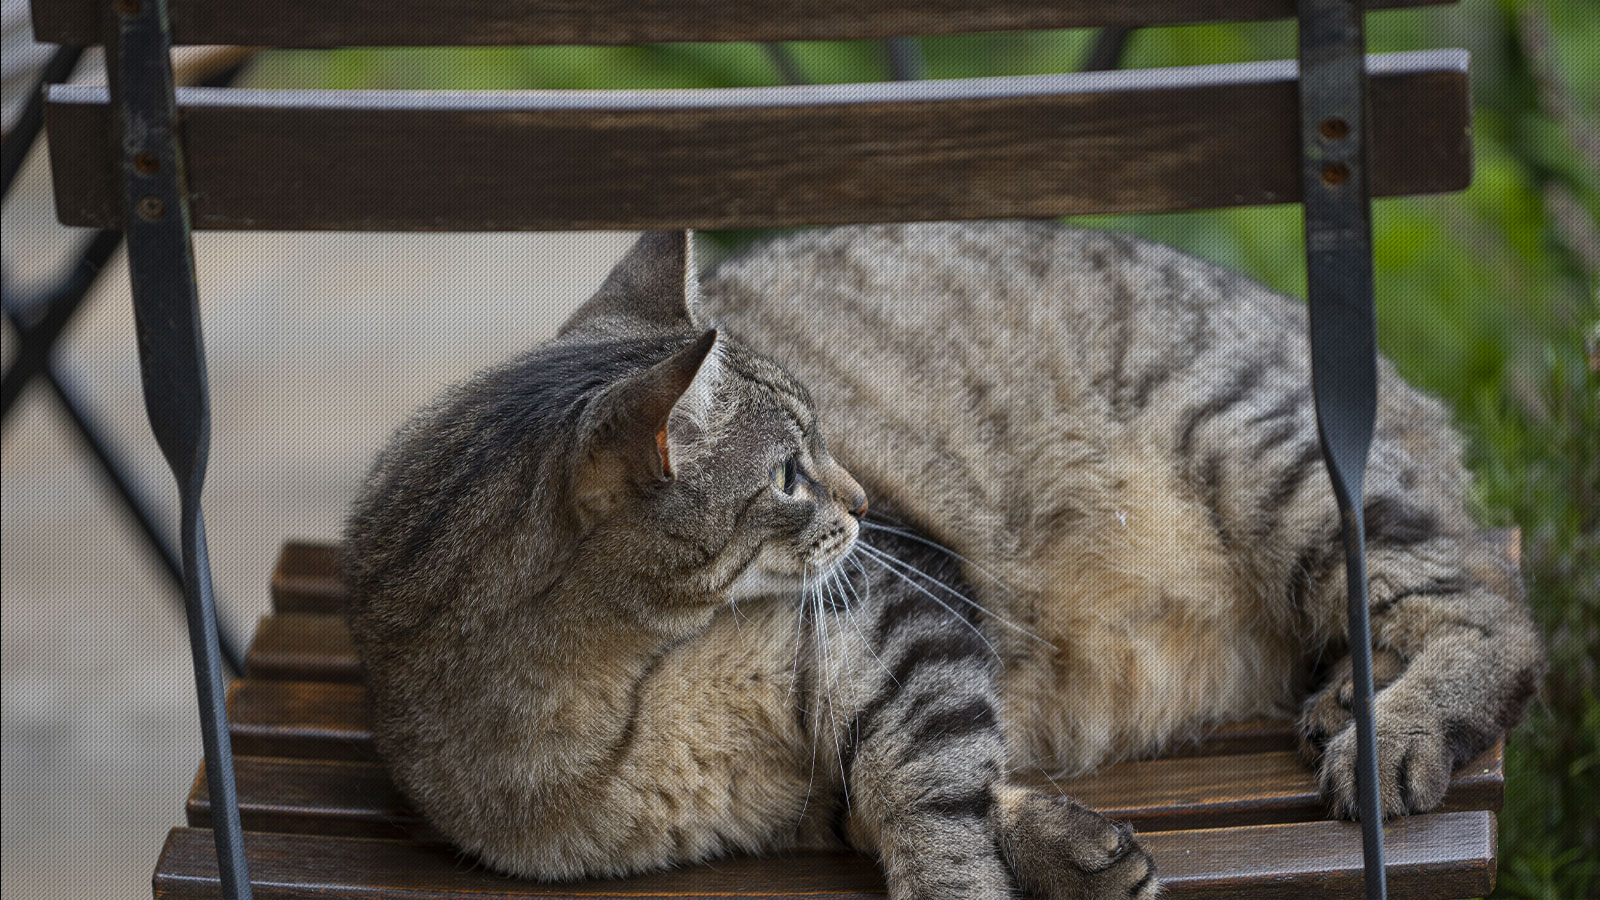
point(649, 426)
point(653, 285)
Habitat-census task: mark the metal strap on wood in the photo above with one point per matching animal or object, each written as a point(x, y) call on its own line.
point(1333, 115)
point(155, 217)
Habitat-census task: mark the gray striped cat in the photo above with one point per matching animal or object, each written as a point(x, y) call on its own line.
point(621, 603)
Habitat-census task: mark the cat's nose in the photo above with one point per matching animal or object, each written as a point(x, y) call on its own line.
point(858, 505)
point(847, 490)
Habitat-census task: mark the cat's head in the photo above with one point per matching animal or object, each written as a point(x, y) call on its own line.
point(707, 460)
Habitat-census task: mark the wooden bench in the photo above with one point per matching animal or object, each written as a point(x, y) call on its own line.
point(1233, 815)
point(1235, 811)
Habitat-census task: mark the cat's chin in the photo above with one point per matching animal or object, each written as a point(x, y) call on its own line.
point(756, 581)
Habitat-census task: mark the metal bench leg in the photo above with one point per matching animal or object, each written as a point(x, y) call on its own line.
point(1333, 99)
point(40, 320)
point(155, 216)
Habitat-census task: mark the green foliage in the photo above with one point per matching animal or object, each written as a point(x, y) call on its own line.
point(1486, 298)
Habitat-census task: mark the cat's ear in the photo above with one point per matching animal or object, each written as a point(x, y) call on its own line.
point(646, 427)
point(654, 285)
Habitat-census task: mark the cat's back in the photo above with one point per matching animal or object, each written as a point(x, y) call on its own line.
point(1121, 435)
point(1000, 380)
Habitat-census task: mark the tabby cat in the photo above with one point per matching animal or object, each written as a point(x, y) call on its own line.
point(622, 604)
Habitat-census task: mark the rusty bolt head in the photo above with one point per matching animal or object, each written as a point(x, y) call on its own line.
point(1334, 174)
point(127, 7)
point(151, 208)
point(146, 163)
point(1335, 129)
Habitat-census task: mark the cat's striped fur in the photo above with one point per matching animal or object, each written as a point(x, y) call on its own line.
point(619, 608)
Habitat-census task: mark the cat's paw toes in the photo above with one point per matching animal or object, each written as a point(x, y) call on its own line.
point(1414, 767)
point(1062, 850)
point(1327, 712)
point(1130, 876)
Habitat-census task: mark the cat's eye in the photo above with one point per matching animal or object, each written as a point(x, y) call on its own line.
point(784, 474)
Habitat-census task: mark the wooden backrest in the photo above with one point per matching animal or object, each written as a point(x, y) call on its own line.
point(1152, 140)
point(428, 23)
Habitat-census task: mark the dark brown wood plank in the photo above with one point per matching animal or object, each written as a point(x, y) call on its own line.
point(1151, 140)
point(306, 719)
point(303, 647)
point(1435, 856)
point(355, 798)
point(306, 579)
point(337, 23)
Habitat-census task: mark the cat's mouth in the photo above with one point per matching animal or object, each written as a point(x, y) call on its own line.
point(833, 545)
point(780, 572)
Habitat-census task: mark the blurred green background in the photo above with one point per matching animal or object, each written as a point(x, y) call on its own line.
point(1487, 298)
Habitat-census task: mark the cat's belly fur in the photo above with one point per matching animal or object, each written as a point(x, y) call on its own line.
point(1152, 637)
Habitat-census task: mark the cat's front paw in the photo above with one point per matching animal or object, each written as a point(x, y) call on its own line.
point(1414, 766)
point(1414, 755)
point(1326, 713)
point(1062, 850)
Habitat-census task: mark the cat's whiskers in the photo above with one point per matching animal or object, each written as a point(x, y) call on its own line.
point(800, 620)
point(998, 582)
point(901, 568)
point(826, 661)
point(884, 562)
point(866, 584)
point(913, 536)
point(832, 582)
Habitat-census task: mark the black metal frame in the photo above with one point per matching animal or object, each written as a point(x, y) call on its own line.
point(41, 318)
point(1339, 268)
point(1338, 226)
point(155, 216)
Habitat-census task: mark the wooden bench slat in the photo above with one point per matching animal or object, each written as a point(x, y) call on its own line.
point(1144, 141)
point(306, 719)
point(306, 579)
point(359, 798)
point(338, 23)
point(328, 720)
point(1448, 854)
point(303, 647)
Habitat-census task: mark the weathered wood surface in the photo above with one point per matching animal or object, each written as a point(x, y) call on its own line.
point(1440, 855)
point(1145, 141)
point(306, 578)
point(316, 796)
point(303, 647)
point(305, 719)
point(1234, 814)
point(339, 23)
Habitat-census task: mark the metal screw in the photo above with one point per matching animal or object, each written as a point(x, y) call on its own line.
point(127, 7)
point(1334, 174)
point(151, 208)
point(146, 163)
point(1335, 129)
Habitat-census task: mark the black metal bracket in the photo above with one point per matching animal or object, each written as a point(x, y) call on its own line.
point(1333, 130)
point(41, 317)
point(155, 218)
